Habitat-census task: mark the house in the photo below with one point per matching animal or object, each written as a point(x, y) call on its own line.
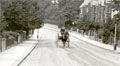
point(99, 12)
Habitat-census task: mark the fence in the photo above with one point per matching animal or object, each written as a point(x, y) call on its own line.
point(10, 40)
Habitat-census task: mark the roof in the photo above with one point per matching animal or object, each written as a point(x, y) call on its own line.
point(94, 2)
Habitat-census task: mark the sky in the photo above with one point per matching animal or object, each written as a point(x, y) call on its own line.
point(54, 1)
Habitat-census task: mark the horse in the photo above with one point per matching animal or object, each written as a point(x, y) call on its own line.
point(64, 37)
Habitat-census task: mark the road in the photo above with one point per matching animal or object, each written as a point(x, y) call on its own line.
point(80, 53)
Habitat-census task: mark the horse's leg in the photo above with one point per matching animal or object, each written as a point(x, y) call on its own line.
point(63, 43)
point(68, 43)
point(57, 42)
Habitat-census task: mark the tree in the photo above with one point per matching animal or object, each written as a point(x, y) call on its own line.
point(70, 9)
point(108, 31)
point(68, 24)
point(21, 14)
point(116, 5)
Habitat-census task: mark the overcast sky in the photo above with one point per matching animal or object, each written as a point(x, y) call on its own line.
point(54, 1)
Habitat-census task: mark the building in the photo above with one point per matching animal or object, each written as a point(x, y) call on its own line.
point(0, 12)
point(99, 12)
point(0, 9)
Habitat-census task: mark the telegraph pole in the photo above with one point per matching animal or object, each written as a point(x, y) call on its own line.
point(115, 40)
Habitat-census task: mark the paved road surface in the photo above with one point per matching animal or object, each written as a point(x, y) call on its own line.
point(80, 53)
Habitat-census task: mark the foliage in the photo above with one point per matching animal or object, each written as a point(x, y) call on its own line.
point(70, 9)
point(22, 14)
point(116, 5)
point(116, 19)
point(2, 26)
point(68, 24)
point(88, 26)
point(108, 30)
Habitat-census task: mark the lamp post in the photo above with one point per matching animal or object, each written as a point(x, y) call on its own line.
point(73, 24)
point(115, 34)
point(38, 33)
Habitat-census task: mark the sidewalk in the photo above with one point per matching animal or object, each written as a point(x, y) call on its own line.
point(14, 55)
point(93, 42)
point(90, 41)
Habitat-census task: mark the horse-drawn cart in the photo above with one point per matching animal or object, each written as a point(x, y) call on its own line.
point(64, 37)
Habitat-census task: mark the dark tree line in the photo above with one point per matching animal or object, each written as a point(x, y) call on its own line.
point(21, 15)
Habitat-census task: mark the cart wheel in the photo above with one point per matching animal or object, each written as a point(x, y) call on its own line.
point(68, 43)
point(57, 40)
point(57, 45)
